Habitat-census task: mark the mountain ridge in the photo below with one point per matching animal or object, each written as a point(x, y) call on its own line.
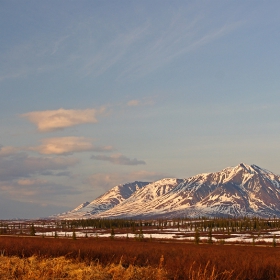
point(242, 190)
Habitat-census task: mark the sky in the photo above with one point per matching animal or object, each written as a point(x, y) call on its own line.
point(100, 93)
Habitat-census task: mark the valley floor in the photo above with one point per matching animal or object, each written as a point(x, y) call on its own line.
point(191, 249)
point(254, 231)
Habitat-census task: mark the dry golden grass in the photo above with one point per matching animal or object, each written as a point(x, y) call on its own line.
point(208, 273)
point(61, 268)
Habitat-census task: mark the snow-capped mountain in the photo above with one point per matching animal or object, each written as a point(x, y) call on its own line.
point(234, 191)
point(104, 202)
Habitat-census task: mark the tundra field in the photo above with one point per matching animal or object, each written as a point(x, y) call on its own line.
point(125, 249)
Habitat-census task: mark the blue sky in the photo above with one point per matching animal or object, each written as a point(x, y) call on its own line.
point(99, 93)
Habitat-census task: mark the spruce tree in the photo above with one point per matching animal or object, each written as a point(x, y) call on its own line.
point(112, 233)
point(274, 243)
point(141, 235)
point(32, 230)
point(197, 237)
point(210, 240)
point(74, 237)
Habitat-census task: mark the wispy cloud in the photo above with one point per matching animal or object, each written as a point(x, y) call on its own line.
point(113, 51)
point(143, 49)
point(58, 43)
point(133, 103)
point(60, 119)
point(137, 50)
point(68, 145)
point(36, 55)
point(175, 40)
point(118, 159)
point(140, 102)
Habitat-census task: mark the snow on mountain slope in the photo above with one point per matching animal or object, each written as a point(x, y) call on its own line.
point(139, 202)
point(247, 190)
point(104, 202)
point(81, 206)
point(234, 191)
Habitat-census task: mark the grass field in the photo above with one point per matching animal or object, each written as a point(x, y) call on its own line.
point(90, 258)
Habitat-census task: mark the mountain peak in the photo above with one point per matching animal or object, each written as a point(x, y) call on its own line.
point(244, 165)
point(247, 167)
point(254, 169)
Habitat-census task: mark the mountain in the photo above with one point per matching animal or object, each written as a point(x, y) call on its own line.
point(104, 202)
point(243, 190)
